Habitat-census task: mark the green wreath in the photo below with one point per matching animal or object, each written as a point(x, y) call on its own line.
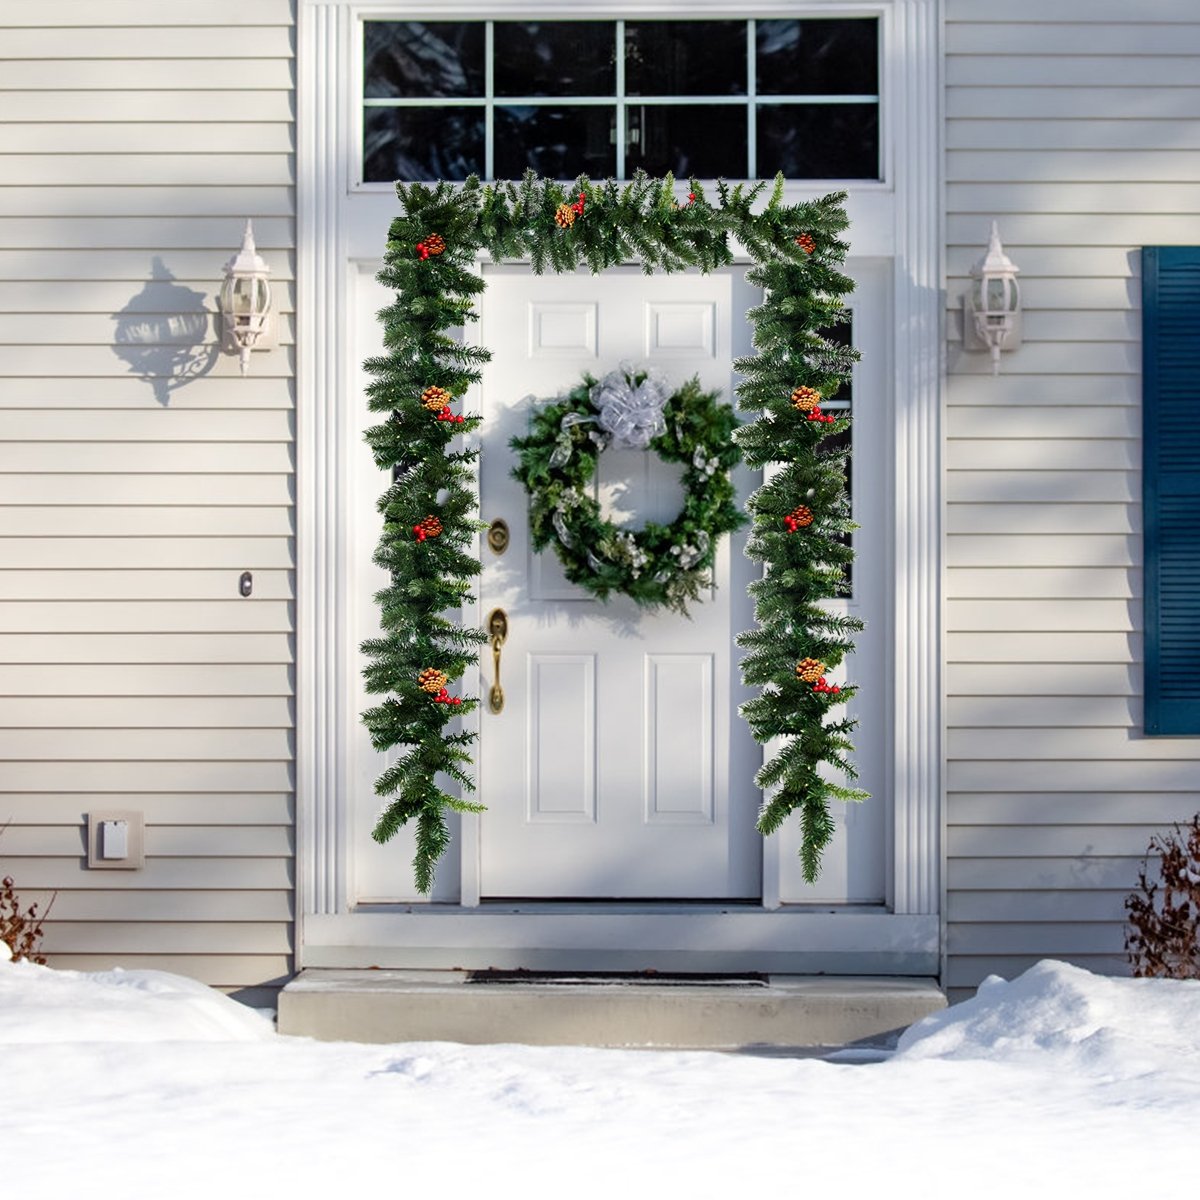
point(660, 566)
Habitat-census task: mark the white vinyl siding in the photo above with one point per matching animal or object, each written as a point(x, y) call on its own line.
point(1073, 124)
point(135, 139)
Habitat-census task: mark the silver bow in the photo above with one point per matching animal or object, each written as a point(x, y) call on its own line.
point(630, 413)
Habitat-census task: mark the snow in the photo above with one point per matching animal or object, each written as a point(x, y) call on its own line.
point(131, 1084)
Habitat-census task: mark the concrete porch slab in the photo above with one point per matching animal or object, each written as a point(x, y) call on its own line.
point(771, 1013)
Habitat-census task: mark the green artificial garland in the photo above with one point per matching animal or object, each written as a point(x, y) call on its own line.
point(662, 566)
point(430, 526)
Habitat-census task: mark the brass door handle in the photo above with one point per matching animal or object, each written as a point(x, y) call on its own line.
point(497, 627)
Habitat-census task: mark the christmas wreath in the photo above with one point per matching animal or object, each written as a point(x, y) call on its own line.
point(660, 566)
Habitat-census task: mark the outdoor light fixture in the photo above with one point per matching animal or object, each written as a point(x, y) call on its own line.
point(992, 308)
point(245, 299)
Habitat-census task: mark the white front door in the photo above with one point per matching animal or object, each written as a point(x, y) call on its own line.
point(618, 767)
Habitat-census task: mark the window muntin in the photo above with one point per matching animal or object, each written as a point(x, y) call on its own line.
point(738, 98)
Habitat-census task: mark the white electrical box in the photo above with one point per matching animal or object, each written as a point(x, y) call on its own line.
point(115, 840)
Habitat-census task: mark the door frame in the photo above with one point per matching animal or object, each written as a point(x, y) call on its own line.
point(901, 220)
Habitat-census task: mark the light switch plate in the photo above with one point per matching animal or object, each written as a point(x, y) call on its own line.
point(135, 857)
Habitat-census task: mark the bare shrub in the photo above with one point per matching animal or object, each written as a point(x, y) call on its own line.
point(21, 929)
point(1163, 937)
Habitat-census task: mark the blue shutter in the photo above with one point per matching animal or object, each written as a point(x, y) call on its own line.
point(1171, 486)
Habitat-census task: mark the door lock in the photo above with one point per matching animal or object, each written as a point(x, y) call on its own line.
point(497, 536)
point(497, 628)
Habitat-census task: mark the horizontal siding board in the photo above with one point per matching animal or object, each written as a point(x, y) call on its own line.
point(1033, 38)
point(1072, 774)
point(125, 778)
point(158, 808)
point(135, 263)
point(1048, 841)
point(110, 296)
point(148, 552)
point(119, 458)
point(97, 203)
point(97, 906)
point(222, 234)
point(132, 105)
point(149, 74)
point(1035, 906)
point(113, 394)
point(79, 488)
point(148, 38)
point(1053, 679)
point(221, 743)
point(148, 425)
point(216, 970)
point(1002, 197)
point(144, 138)
point(134, 331)
point(148, 584)
point(1075, 69)
point(167, 937)
point(965, 972)
point(241, 615)
point(169, 874)
point(1081, 229)
point(145, 679)
point(1084, 583)
point(1075, 873)
point(1103, 103)
point(1047, 297)
point(1033, 517)
point(1036, 647)
point(113, 520)
point(1043, 454)
point(1049, 940)
point(1080, 133)
point(87, 14)
point(1082, 550)
point(1119, 616)
point(115, 360)
point(992, 713)
point(1158, 809)
point(1070, 486)
point(131, 648)
point(159, 712)
point(172, 841)
point(1038, 424)
point(1093, 391)
point(1038, 12)
point(1039, 359)
point(1046, 261)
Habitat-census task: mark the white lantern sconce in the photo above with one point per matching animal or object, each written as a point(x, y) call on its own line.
point(245, 300)
point(992, 307)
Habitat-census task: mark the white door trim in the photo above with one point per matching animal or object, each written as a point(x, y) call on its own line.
point(911, 89)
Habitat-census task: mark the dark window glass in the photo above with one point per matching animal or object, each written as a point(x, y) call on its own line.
point(554, 58)
point(818, 58)
point(841, 335)
point(422, 143)
point(685, 58)
point(558, 142)
point(818, 141)
point(416, 59)
point(693, 139)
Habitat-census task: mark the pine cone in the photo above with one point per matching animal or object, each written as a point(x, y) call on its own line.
point(564, 216)
point(806, 398)
point(435, 243)
point(435, 398)
point(810, 669)
point(432, 680)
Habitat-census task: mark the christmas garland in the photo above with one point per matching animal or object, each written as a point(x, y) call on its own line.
point(661, 566)
point(800, 515)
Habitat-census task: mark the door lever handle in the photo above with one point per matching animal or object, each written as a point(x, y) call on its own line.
point(497, 628)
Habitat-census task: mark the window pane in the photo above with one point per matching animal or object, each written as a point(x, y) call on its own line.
point(706, 140)
point(415, 59)
point(555, 58)
point(558, 142)
point(685, 58)
point(819, 141)
point(818, 58)
point(422, 143)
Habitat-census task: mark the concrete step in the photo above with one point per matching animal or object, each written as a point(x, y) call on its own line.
point(774, 1012)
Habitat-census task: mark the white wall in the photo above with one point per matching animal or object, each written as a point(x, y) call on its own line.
point(140, 475)
point(1076, 125)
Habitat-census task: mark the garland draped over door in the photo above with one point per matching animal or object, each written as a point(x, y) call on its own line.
point(801, 514)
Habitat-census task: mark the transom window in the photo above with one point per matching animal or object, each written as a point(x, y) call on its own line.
point(741, 99)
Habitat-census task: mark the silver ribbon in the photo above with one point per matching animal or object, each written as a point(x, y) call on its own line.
point(631, 414)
